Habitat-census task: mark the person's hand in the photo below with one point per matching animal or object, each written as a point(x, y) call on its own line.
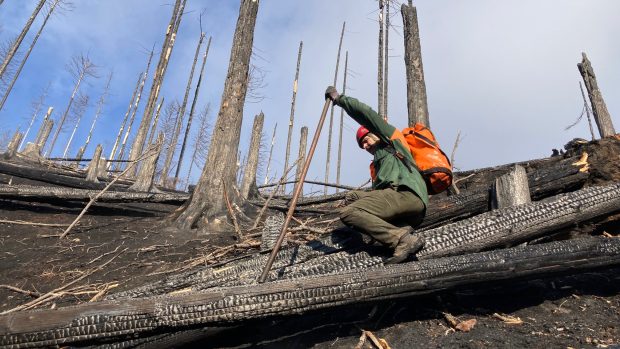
point(332, 94)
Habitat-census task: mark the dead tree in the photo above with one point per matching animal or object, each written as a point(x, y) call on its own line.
point(93, 167)
point(273, 141)
point(331, 115)
point(36, 109)
point(303, 141)
point(100, 104)
point(20, 38)
point(599, 108)
point(33, 150)
point(155, 121)
point(144, 180)
point(201, 142)
point(181, 115)
point(386, 59)
point(191, 115)
point(292, 116)
point(27, 54)
point(125, 118)
point(158, 79)
point(207, 200)
point(416, 87)
point(249, 175)
point(78, 111)
point(80, 67)
point(13, 145)
point(344, 89)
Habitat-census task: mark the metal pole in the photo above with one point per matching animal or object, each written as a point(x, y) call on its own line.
point(298, 187)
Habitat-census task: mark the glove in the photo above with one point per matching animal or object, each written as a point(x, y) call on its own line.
point(332, 94)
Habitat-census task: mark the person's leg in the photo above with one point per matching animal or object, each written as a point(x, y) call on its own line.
point(373, 212)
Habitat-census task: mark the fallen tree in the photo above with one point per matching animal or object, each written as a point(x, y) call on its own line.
point(115, 320)
point(28, 192)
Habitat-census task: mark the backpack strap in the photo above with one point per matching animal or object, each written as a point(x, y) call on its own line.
point(408, 164)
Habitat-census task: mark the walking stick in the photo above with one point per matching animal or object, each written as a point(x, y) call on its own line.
point(298, 188)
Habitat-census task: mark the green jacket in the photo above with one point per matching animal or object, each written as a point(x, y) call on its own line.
point(389, 170)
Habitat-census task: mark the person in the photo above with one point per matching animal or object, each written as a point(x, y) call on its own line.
point(398, 196)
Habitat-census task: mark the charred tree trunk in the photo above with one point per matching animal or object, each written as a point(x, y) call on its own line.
point(33, 150)
point(25, 58)
point(303, 141)
point(180, 118)
point(273, 141)
point(208, 198)
point(416, 87)
point(292, 116)
point(380, 106)
point(599, 108)
point(344, 89)
point(200, 143)
point(158, 79)
point(249, 175)
point(386, 59)
point(93, 168)
point(511, 189)
point(191, 115)
point(144, 180)
point(331, 115)
point(20, 38)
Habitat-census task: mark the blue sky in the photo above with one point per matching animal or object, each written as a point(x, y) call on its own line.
point(503, 73)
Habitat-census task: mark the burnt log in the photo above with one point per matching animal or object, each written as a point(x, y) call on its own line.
point(38, 193)
point(511, 189)
point(116, 320)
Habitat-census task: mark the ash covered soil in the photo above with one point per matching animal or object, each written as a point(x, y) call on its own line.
point(117, 247)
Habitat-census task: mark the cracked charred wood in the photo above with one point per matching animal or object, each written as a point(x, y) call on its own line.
point(34, 193)
point(511, 189)
point(43, 174)
point(115, 320)
point(562, 177)
point(513, 225)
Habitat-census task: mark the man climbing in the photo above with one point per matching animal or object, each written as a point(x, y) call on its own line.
point(399, 196)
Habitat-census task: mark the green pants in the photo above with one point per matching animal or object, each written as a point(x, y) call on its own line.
point(380, 213)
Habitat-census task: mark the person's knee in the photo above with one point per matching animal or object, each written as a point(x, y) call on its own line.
point(349, 215)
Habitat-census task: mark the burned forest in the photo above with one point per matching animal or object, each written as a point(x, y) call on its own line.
point(156, 204)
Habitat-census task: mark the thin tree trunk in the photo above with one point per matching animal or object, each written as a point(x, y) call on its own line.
point(181, 115)
point(37, 109)
point(292, 116)
point(416, 87)
point(20, 38)
point(26, 55)
point(100, 103)
point(331, 115)
point(77, 123)
point(191, 114)
point(587, 110)
point(386, 60)
point(344, 89)
point(599, 108)
point(64, 115)
point(380, 61)
point(208, 198)
point(303, 141)
point(199, 141)
point(155, 121)
point(120, 130)
point(249, 175)
point(273, 141)
point(158, 79)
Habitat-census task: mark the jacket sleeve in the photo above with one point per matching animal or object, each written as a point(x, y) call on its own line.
point(367, 117)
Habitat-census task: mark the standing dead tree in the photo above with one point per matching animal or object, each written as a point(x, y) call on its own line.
point(80, 68)
point(386, 59)
point(344, 89)
point(158, 79)
point(303, 141)
point(13, 50)
point(191, 114)
point(273, 141)
point(207, 201)
point(155, 121)
point(144, 180)
point(27, 54)
point(292, 117)
point(599, 108)
point(416, 87)
point(125, 118)
point(331, 115)
point(181, 115)
point(100, 104)
point(78, 110)
point(249, 175)
point(201, 142)
point(380, 107)
point(36, 109)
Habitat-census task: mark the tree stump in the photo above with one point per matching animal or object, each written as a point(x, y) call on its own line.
point(13, 145)
point(511, 189)
point(144, 180)
point(93, 167)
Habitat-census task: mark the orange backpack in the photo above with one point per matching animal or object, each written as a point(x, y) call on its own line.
point(432, 163)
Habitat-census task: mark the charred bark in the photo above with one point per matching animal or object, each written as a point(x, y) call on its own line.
point(292, 116)
point(249, 175)
point(93, 167)
point(416, 87)
point(599, 108)
point(511, 189)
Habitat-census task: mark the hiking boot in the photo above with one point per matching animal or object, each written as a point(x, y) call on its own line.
point(408, 244)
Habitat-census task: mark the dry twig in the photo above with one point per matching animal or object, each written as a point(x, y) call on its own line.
point(19, 222)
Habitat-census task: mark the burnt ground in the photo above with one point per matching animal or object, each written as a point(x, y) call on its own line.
point(558, 311)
